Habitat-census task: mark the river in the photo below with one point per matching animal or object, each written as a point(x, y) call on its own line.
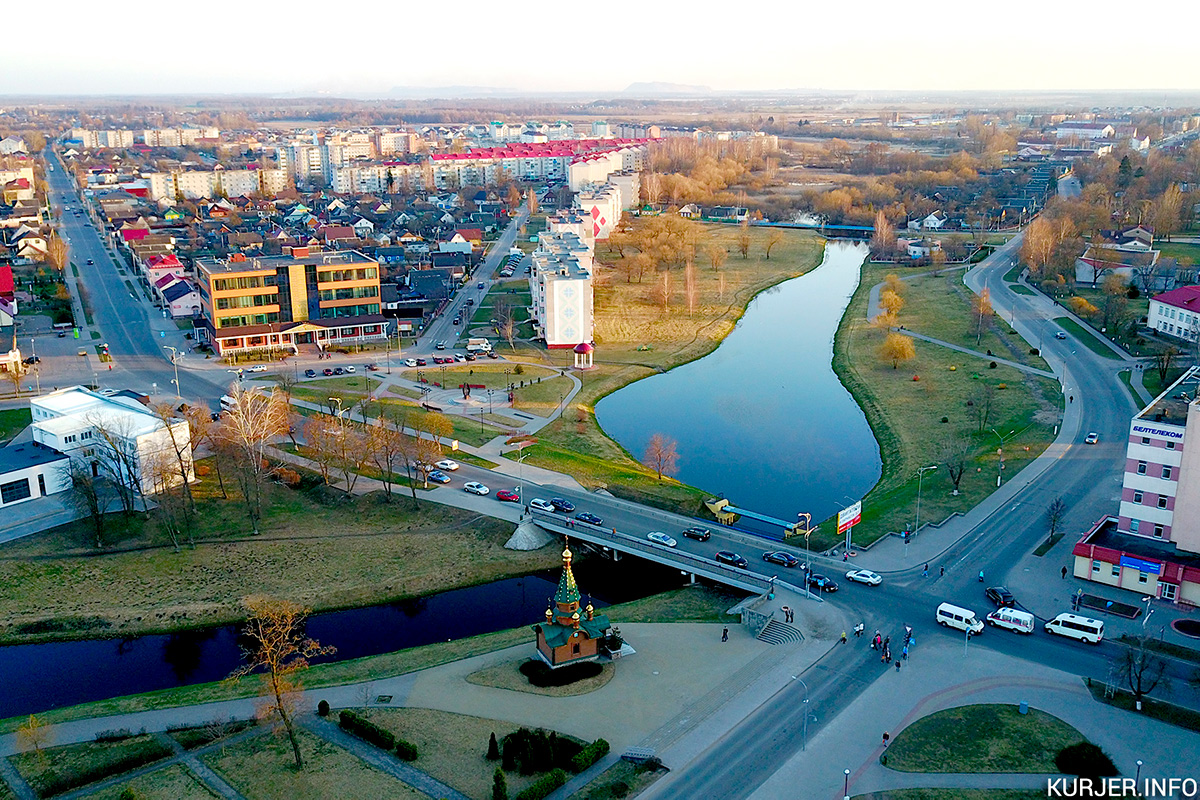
point(763, 420)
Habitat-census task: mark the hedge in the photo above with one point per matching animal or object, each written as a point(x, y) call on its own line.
point(366, 730)
point(589, 755)
point(1086, 760)
point(407, 751)
point(544, 785)
point(126, 756)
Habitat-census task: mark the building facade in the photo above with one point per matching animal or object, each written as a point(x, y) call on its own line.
point(562, 307)
point(305, 297)
point(31, 470)
point(1176, 313)
point(568, 636)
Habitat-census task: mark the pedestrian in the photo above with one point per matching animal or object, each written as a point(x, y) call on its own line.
point(1071, 399)
point(725, 634)
point(897, 665)
point(1064, 573)
point(886, 738)
point(787, 614)
point(858, 630)
point(845, 555)
point(904, 653)
point(887, 640)
point(925, 571)
point(942, 574)
point(843, 637)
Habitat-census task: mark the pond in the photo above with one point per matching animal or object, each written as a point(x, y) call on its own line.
point(763, 420)
point(37, 677)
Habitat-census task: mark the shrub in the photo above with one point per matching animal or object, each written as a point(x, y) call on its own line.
point(945, 419)
point(1033, 351)
point(125, 756)
point(366, 730)
point(1086, 760)
point(589, 755)
point(544, 785)
point(530, 752)
point(407, 751)
point(493, 753)
point(991, 365)
point(323, 708)
point(543, 676)
point(288, 477)
point(499, 785)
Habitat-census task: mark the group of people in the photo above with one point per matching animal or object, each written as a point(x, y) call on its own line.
point(884, 645)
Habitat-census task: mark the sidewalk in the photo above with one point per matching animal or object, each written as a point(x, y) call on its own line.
point(938, 676)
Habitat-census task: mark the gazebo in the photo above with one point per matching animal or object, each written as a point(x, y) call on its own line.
point(583, 355)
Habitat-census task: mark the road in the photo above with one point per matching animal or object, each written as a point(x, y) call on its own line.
point(1087, 478)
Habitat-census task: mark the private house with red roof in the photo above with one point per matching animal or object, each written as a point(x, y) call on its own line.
point(17, 189)
point(8, 299)
point(1176, 313)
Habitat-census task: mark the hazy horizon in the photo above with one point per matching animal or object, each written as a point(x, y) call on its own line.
point(229, 49)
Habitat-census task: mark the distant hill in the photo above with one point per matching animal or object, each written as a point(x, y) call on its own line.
point(660, 88)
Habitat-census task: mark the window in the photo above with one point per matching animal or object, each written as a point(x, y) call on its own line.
point(14, 491)
point(1116, 570)
point(1145, 440)
point(1137, 496)
point(1166, 473)
point(1096, 567)
point(1141, 577)
point(1134, 525)
point(1141, 468)
point(1170, 445)
point(1167, 591)
point(1162, 501)
point(1158, 531)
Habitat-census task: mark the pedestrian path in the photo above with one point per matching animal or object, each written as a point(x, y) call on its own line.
point(968, 351)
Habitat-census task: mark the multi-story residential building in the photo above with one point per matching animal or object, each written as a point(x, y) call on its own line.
point(305, 297)
point(560, 282)
point(203, 184)
point(376, 178)
point(95, 139)
point(388, 143)
point(602, 204)
point(1176, 313)
point(547, 161)
point(114, 434)
point(177, 137)
point(1152, 545)
point(304, 161)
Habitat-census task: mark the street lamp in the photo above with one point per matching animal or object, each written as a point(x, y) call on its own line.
point(32, 347)
point(1147, 599)
point(1000, 452)
point(806, 518)
point(175, 356)
point(489, 391)
point(917, 527)
point(804, 745)
point(846, 785)
point(1137, 776)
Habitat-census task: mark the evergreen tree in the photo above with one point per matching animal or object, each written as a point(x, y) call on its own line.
point(493, 753)
point(499, 783)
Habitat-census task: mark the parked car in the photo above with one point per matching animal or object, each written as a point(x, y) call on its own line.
point(864, 576)
point(538, 504)
point(327, 371)
point(458, 320)
point(258, 368)
point(410, 362)
point(661, 538)
point(33, 360)
point(781, 558)
point(459, 357)
point(697, 533)
point(339, 371)
point(590, 519)
point(508, 496)
point(1092, 438)
point(475, 488)
point(310, 373)
point(437, 476)
point(469, 357)
point(1000, 596)
point(447, 465)
point(821, 583)
point(422, 362)
point(90, 262)
point(493, 354)
point(732, 559)
point(372, 368)
point(565, 506)
point(351, 369)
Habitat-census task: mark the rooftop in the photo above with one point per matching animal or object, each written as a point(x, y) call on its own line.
point(76, 403)
point(1171, 406)
point(1106, 535)
point(272, 263)
point(27, 454)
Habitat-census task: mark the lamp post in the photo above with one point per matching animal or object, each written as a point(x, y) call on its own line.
point(917, 527)
point(175, 356)
point(1000, 453)
point(489, 391)
point(1138, 775)
point(846, 785)
point(1146, 618)
point(804, 744)
point(806, 518)
point(33, 347)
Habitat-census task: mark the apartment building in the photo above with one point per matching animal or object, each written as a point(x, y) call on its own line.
point(177, 137)
point(280, 303)
point(602, 204)
point(547, 161)
point(1152, 544)
point(1176, 313)
point(377, 178)
point(204, 184)
point(95, 139)
point(560, 282)
point(113, 433)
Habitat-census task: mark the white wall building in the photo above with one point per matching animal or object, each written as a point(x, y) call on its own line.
point(203, 184)
point(560, 282)
point(1176, 313)
point(90, 426)
point(30, 470)
point(603, 204)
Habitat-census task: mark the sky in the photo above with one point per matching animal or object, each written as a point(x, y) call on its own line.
point(366, 48)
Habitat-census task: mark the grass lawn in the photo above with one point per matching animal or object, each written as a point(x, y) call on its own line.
point(1185, 253)
point(489, 375)
point(542, 398)
point(954, 794)
point(981, 738)
point(1156, 383)
point(508, 676)
point(58, 769)
point(452, 747)
point(363, 553)
point(623, 779)
point(13, 421)
point(262, 768)
point(1086, 337)
point(175, 782)
point(1179, 716)
point(695, 603)
point(1020, 289)
point(629, 318)
point(906, 415)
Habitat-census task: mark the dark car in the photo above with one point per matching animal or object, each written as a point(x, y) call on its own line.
point(327, 371)
point(493, 354)
point(732, 559)
point(565, 506)
point(697, 533)
point(508, 496)
point(90, 261)
point(821, 583)
point(781, 558)
point(33, 360)
point(372, 367)
point(310, 373)
point(470, 356)
point(1001, 596)
point(422, 362)
point(339, 371)
point(590, 519)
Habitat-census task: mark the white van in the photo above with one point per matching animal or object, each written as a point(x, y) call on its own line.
point(228, 403)
point(1074, 626)
point(1011, 619)
point(964, 619)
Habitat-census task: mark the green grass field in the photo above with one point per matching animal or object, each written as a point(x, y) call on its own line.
point(1185, 253)
point(13, 421)
point(1086, 337)
point(175, 782)
point(68, 766)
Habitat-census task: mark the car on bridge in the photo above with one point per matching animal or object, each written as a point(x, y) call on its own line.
point(437, 476)
point(475, 488)
point(565, 506)
point(821, 583)
point(1000, 596)
point(781, 558)
point(508, 496)
point(698, 533)
point(538, 504)
point(864, 576)
point(661, 538)
point(590, 519)
point(732, 559)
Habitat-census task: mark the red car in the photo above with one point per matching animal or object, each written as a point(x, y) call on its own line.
point(508, 496)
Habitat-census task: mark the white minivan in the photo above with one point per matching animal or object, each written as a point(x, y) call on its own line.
point(1074, 626)
point(1011, 619)
point(964, 619)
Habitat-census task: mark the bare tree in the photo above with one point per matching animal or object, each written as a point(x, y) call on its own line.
point(716, 255)
point(883, 240)
point(691, 291)
point(87, 496)
point(981, 312)
point(955, 455)
point(116, 455)
point(1056, 512)
point(255, 420)
point(743, 240)
point(278, 646)
point(1164, 359)
point(774, 238)
point(663, 291)
point(57, 252)
point(35, 732)
point(200, 431)
point(320, 437)
point(383, 447)
point(897, 347)
point(891, 302)
point(980, 403)
point(661, 455)
point(15, 374)
point(506, 321)
point(1143, 669)
point(175, 469)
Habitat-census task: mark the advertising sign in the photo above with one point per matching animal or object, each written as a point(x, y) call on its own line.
point(849, 517)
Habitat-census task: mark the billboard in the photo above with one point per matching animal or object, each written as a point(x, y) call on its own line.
point(849, 517)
